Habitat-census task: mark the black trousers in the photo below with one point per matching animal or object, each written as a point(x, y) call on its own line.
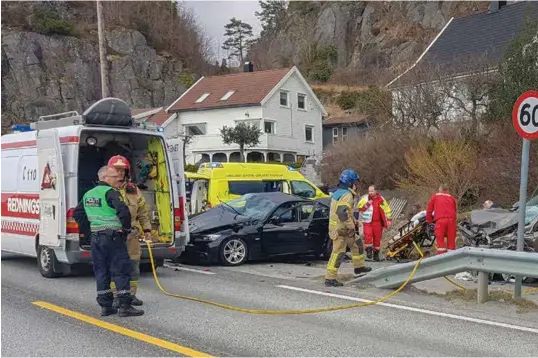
point(111, 262)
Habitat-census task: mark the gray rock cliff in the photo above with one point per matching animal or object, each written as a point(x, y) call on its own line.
point(49, 74)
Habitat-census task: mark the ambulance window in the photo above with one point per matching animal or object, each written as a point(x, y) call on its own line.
point(255, 186)
point(303, 189)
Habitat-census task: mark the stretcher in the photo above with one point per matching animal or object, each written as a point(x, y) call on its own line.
point(414, 239)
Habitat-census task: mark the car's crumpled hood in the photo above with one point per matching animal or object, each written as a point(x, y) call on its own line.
point(213, 219)
point(495, 219)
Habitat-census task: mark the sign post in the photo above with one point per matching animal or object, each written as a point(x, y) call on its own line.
point(525, 121)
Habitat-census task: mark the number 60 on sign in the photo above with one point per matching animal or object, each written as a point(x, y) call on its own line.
point(525, 115)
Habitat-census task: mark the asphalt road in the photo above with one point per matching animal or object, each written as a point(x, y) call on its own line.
point(28, 330)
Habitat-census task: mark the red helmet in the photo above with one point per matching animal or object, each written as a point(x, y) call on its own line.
point(119, 161)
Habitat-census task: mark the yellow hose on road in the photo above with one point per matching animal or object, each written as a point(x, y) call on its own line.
point(277, 312)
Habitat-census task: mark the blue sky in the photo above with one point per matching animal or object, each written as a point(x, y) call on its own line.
point(213, 15)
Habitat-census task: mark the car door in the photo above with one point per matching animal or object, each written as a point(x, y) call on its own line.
point(318, 229)
point(288, 234)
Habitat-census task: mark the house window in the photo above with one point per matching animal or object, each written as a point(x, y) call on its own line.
point(335, 135)
point(269, 127)
point(284, 99)
point(344, 133)
point(227, 95)
point(194, 130)
point(301, 101)
point(202, 98)
point(309, 133)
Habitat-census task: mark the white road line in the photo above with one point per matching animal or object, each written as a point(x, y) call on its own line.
point(181, 268)
point(420, 310)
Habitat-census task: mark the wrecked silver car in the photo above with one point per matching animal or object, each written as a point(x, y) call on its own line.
point(497, 228)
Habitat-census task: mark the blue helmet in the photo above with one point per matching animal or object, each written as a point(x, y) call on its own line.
point(348, 177)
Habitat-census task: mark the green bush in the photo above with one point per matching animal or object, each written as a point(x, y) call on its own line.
point(320, 72)
point(187, 78)
point(347, 100)
point(49, 22)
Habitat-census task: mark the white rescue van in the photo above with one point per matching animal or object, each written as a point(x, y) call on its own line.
point(47, 170)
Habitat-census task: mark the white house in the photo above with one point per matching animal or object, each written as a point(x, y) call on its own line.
point(280, 102)
point(449, 81)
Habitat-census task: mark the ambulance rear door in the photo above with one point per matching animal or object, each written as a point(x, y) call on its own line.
point(52, 224)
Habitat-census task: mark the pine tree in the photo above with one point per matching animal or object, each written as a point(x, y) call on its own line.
point(271, 15)
point(239, 36)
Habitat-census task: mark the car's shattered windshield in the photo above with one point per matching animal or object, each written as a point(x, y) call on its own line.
point(252, 206)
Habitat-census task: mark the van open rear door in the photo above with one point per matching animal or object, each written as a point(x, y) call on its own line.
point(52, 224)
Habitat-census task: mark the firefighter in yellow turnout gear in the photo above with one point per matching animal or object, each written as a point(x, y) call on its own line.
point(141, 224)
point(342, 229)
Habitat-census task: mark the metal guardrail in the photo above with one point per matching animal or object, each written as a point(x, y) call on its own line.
point(465, 259)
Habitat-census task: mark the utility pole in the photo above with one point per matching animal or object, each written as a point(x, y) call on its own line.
point(105, 92)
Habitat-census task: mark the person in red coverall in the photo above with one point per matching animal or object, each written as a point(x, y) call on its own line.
point(442, 209)
point(376, 214)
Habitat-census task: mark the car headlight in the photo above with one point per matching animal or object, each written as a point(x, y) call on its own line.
point(211, 237)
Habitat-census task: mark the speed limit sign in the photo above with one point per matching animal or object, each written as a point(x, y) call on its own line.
point(525, 115)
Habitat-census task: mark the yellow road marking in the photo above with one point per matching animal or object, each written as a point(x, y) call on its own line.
point(121, 330)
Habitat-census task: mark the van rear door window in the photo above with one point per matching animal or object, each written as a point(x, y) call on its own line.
point(243, 187)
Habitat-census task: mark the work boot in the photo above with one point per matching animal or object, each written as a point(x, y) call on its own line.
point(107, 311)
point(116, 303)
point(136, 301)
point(369, 253)
point(333, 283)
point(376, 256)
point(128, 311)
point(361, 270)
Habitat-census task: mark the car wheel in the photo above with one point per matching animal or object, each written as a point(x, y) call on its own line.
point(46, 261)
point(233, 252)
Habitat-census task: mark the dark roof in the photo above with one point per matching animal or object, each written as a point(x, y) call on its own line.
point(355, 119)
point(475, 40)
point(250, 89)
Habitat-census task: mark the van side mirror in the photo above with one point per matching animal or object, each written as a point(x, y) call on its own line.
point(275, 220)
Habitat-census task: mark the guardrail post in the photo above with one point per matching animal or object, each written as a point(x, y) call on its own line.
point(483, 280)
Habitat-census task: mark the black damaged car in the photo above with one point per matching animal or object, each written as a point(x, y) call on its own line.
point(257, 226)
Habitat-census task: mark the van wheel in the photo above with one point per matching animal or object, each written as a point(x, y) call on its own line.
point(233, 252)
point(46, 261)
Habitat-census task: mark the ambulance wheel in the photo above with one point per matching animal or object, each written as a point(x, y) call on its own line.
point(46, 262)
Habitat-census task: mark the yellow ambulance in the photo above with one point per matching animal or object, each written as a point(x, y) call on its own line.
point(220, 182)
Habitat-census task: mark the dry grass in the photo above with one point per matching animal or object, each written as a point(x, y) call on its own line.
point(337, 88)
point(523, 305)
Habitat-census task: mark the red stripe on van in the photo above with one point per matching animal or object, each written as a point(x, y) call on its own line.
point(33, 143)
point(19, 228)
point(20, 205)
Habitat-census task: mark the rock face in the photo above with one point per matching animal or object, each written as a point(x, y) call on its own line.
point(49, 74)
point(366, 35)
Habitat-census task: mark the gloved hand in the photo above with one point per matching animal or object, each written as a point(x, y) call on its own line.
point(389, 222)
